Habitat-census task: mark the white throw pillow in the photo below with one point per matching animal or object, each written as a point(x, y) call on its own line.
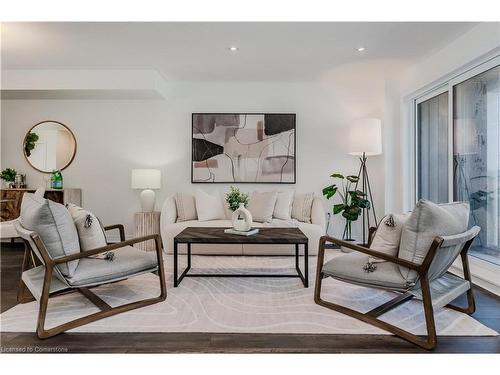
point(186, 207)
point(388, 235)
point(89, 228)
point(209, 207)
point(261, 206)
point(54, 225)
point(302, 206)
point(283, 207)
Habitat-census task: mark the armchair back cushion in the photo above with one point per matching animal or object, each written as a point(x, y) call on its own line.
point(55, 226)
point(427, 221)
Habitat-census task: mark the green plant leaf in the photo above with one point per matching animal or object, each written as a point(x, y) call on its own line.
point(350, 216)
point(338, 208)
point(353, 178)
point(330, 191)
point(337, 175)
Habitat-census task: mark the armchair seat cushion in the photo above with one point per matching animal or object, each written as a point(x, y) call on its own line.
point(127, 262)
point(349, 268)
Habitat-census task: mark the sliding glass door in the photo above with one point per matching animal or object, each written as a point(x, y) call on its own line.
point(476, 157)
point(432, 148)
point(458, 151)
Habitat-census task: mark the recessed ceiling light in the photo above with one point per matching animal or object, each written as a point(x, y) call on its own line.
point(361, 49)
point(233, 48)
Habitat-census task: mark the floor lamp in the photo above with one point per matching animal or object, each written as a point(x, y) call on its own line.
point(365, 139)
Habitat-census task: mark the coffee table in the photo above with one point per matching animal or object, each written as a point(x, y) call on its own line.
point(266, 236)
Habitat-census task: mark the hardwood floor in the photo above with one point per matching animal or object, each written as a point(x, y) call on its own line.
point(487, 312)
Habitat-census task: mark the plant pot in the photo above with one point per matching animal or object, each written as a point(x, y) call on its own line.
point(346, 249)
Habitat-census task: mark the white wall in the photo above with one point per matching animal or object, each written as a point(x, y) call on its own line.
point(115, 136)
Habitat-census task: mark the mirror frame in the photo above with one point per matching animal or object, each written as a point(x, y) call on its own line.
point(42, 122)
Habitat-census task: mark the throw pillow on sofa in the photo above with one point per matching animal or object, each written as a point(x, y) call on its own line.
point(209, 207)
point(89, 228)
point(427, 221)
point(261, 206)
point(186, 207)
point(302, 207)
point(283, 207)
point(53, 223)
point(388, 235)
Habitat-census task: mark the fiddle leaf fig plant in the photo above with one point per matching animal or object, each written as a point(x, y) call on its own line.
point(353, 201)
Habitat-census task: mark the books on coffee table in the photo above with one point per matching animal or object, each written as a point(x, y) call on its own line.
point(241, 233)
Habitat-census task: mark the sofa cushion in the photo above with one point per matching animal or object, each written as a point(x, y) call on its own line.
point(283, 207)
point(261, 206)
point(388, 235)
point(186, 207)
point(302, 206)
point(427, 221)
point(128, 261)
point(89, 228)
point(349, 268)
point(55, 226)
point(209, 207)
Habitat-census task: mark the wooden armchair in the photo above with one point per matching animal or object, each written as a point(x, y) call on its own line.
point(44, 279)
point(432, 284)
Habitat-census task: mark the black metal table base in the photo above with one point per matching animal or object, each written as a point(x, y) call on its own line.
point(303, 276)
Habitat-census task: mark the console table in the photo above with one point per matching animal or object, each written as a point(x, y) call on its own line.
point(268, 236)
point(11, 200)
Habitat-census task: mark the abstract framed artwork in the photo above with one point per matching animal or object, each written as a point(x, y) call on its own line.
point(243, 148)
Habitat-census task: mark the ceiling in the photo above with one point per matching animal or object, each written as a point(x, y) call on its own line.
point(199, 51)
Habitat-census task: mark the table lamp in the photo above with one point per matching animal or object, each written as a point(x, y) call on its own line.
point(147, 180)
point(365, 139)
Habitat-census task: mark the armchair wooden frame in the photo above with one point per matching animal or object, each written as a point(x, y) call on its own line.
point(427, 342)
point(106, 310)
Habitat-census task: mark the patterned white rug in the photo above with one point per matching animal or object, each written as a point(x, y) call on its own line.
point(243, 305)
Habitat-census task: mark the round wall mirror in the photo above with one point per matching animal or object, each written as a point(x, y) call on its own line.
point(49, 146)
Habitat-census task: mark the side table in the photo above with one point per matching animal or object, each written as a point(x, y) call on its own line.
point(146, 223)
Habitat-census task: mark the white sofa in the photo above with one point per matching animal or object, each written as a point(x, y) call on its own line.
point(169, 228)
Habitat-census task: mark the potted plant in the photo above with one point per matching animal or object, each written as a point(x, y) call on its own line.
point(352, 201)
point(8, 175)
point(237, 201)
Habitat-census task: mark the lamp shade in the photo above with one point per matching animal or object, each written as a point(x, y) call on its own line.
point(365, 137)
point(146, 178)
point(466, 137)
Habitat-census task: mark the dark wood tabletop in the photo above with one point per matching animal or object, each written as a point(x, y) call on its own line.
point(265, 236)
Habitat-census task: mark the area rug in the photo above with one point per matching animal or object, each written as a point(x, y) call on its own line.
point(238, 305)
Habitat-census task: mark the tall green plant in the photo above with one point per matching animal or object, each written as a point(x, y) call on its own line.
point(352, 200)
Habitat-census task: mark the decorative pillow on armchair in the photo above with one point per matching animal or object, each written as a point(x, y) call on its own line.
point(89, 228)
point(388, 235)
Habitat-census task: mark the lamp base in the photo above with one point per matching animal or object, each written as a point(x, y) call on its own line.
point(147, 200)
